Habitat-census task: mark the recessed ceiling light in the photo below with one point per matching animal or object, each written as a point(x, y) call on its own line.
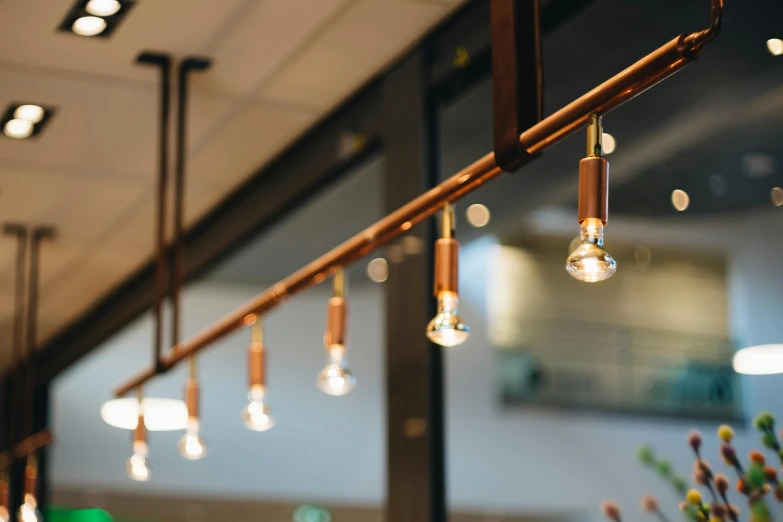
point(609, 143)
point(478, 215)
point(31, 113)
point(681, 200)
point(775, 46)
point(378, 270)
point(103, 7)
point(159, 414)
point(18, 129)
point(89, 26)
point(776, 194)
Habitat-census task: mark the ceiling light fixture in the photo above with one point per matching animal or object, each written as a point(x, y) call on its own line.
point(447, 328)
point(590, 262)
point(103, 7)
point(192, 445)
point(478, 215)
point(775, 46)
point(89, 26)
point(256, 415)
point(159, 414)
point(680, 200)
point(18, 129)
point(766, 359)
point(336, 379)
point(29, 112)
point(24, 120)
point(95, 18)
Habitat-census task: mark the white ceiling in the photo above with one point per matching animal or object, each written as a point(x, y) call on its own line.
point(279, 66)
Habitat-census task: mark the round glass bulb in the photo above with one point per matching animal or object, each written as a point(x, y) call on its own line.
point(103, 7)
point(257, 417)
point(139, 467)
point(447, 328)
point(336, 379)
point(192, 446)
point(31, 113)
point(18, 129)
point(28, 512)
point(5, 516)
point(89, 25)
point(590, 262)
point(775, 46)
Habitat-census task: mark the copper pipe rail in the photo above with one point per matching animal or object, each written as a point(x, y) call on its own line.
point(634, 80)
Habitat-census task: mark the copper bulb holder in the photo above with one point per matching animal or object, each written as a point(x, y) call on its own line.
point(4, 495)
point(594, 189)
point(446, 265)
point(336, 312)
point(257, 365)
point(140, 433)
point(30, 479)
point(192, 398)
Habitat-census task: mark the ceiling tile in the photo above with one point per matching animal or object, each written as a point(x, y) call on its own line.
point(29, 36)
point(269, 33)
point(360, 42)
point(251, 137)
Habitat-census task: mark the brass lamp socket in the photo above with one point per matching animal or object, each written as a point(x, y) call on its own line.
point(140, 433)
point(594, 189)
point(30, 479)
point(192, 398)
point(257, 365)
point(336, 312)
point(446, 265)
point(4, 496)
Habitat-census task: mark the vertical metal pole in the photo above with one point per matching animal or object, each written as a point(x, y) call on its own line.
point(16, 385)
point(163, 61)
point(415, 461)
point(187, 65)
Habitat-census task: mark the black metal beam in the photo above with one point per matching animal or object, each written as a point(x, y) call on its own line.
point(416, 484)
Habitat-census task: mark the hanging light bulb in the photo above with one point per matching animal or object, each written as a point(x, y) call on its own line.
point(28, 511)
point(447, 328)
point(192, 445)
point(256, 415)
point(138, 466)
point(336, 379)
point(590, 262)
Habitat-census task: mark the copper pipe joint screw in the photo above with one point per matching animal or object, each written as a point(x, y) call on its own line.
point(447, 328)
point(590, 262)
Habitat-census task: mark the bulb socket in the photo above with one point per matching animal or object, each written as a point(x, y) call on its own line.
point(257, 365)
point(446, 265)
point(140, 433)
point(4, 495)
point(594, 189)
point(192, 398)
point(336, 312)
point(30, 479)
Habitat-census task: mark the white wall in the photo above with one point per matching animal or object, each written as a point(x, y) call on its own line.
point(332, 449)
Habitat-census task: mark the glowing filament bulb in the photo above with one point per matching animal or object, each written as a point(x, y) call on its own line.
point(447, 328)
point(139, 467)
point(336, 379)
point(590, 262)
point(192, 445)
point(257, 416)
